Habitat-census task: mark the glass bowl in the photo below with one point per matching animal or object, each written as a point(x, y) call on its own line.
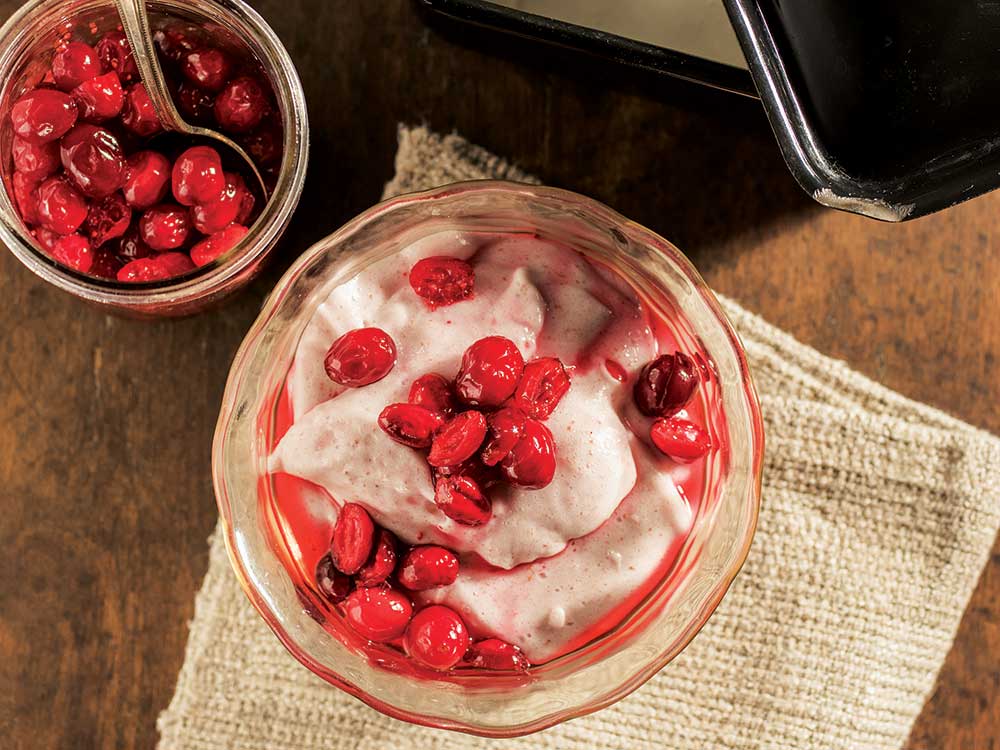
point(605, 669)
point(27, 42)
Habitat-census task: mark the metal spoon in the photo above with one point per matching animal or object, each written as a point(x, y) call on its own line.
point(135, 22)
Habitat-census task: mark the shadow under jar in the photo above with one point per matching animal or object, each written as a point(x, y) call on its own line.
point(274, 565)
point(197, 274)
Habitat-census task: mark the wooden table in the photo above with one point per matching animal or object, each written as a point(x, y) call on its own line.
point(104, 461)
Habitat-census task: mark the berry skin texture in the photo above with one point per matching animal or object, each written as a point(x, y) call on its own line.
point(428, 567)
point(195, 104)
point(241, 105)
point(207, 68)
point(75, 63)
point(100, 98)
point(458, 439)
point(165, 227)
point(107, 219)
point(217, 245)
point(147, 179)
point(461, 499)
point(541, 388)
point(496, 655)
point(197, 176)
point(382, 561)
point(432, 391)
point(155, 268)
point(43, 115)
point(379, 614)
point(352, 540)
point(410, 425)
point(74, 251)
point(680, 439)
point(665, 385)
point(332, 584)
point(138, 115)
point(35, 161)
point(61, 208)
point(131, 247)
point(442, 280)
point(93, 159)
point(531, 462)
point(505, 430)
point(115, 54)
point(490, 371)
point(214, 216)
point(360, 357)
point(436, 637)
point(105, 264)
point(26, 197)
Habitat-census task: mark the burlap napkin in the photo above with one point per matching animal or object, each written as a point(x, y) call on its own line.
point(878, 515)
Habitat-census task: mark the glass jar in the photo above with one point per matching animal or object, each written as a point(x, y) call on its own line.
point(612, 665)
point(27, 44)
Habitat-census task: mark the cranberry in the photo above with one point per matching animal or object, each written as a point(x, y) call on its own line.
point(75, 63)
point(460, 437)
point(173, 43)
point(174, 264)
point(46, 239)
point(43, 115)
point(433, 392)
point(74, 251)
point(381, 562)
point(105, 264)
point(107, 219)
point(35, 161)
point(156, 267)
point(131, 247)
point(353, 535)
point(241, 105)
point(116, 56)
point(442, 280)
point(409, 424)
point(496, 655)
point(461, 499)
point(164, 227)
point(196, 104)
point(378, 614)
point(532, 461)
point(428, 567)
point(360, 357)
point(665, 385)
point(99, 98)
point(218, 244)
point(436, 637)
point(93, 159)
point(542, 387)
point(215, 215)
point(506, 427)
point(680, 439)
point(491, 369)
point(244, 197)
point(264, 144)
point(616, 370)
point(25, 190)
point(332, 584)
point(147, 178)
point(207, 68)
point(61, 208)
point(198, 177)
point(138, 114)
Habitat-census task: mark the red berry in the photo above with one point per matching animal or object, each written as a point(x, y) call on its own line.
point(460, 498)
point(245, 199)
point(680, 439)
point(61, 208)
point(378, 614)
point(115, 54)
point(165, 227)
point(436, 637)
point(506, 427)
point(542, 386)
point(207, 68)
point(458, 440)
point(442, 280)
point(218, 244)
point(433, 392)
point(198, 177)
point(105, 264)
point(532, 461)
point(409, 424)
point(496, 655)
point(93, 159)
point(174, 264)
point(173, 43)
point(156, 267)
point(46, 239)
point(131, 247)
point(25, 189)
point(665, 385)
point(138, 114)
point(35, 161)
point(428, 567)
point(196, 104)
point(353, 536)
point(147, 179)
point(332, 584)
point(107, 219)
point(216, 215)
point(360, 357)
point(99, 98)
point(491, 369)
point(75, 63)
point(43, 115)
point(74, 251)
point(241, 105)
point(616, 370)
point(264, 144)
point(381, 562)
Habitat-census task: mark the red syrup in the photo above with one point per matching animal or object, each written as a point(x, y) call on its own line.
point(300, 516)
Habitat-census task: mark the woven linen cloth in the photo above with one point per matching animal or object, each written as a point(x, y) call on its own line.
point(878, 516)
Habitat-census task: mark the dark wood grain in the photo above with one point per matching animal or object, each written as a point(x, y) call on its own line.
point(106, 498)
